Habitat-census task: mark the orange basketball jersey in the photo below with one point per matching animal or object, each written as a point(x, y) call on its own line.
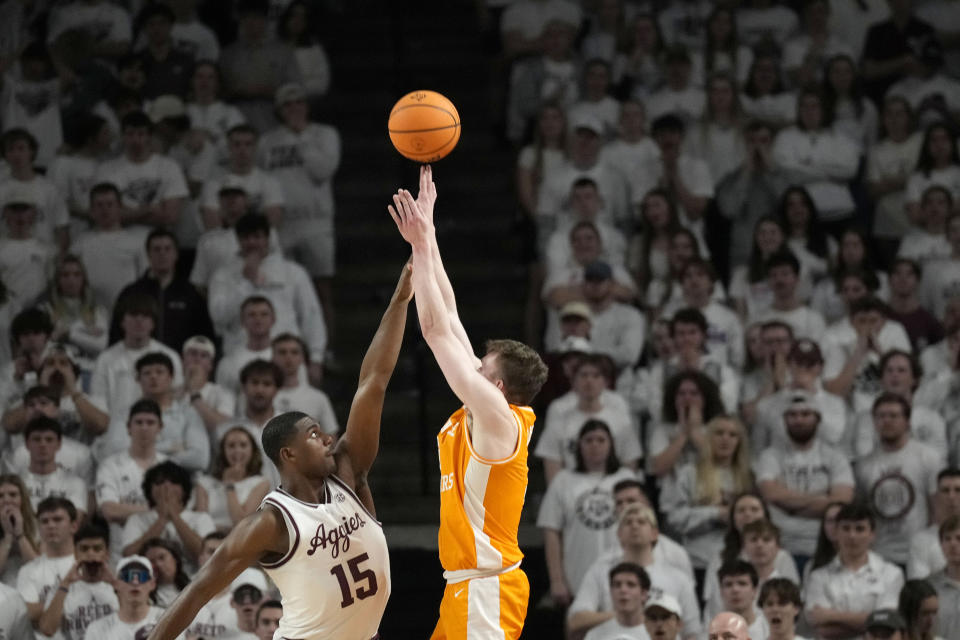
point(480, 499)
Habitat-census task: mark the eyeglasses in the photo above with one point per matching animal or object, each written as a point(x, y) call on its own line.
point(247, 594)
point(134, 575)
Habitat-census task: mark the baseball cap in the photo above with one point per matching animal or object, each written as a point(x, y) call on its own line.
point(135, 561)
point(289, 93)
point(20, 195)
point(597, 270)
point(166, 106)
point(587, 121)
point(666, 602)
point(802, 401)
point(201, 343)
point(805, 352)
point(232, 184)
point(575, 344)
point(250, 577)
point(577, 309)
point(886, 619)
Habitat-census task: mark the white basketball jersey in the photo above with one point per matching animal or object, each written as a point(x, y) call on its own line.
point(335, 578)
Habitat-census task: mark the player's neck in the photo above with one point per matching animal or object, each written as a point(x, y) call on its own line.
point(305, 489)
point(131, 612)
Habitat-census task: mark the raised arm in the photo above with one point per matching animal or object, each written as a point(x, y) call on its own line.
point(494, 431)
point(263, 532)
point(359, 444)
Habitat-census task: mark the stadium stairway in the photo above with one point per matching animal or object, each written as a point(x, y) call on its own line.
point(380, 51)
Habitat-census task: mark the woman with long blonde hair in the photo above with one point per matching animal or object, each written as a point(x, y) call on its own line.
point(77, 318)
point(696, 498)
point(19, 543)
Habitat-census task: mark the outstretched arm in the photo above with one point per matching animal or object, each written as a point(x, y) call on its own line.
point(495, 430)
point(255, 535)
point(358, 447)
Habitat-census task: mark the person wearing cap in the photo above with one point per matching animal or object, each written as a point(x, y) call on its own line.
point(638, 536)
point(263, 192)
point(135, 615)
point(291, 354)
point(585, 205)
point(854, 346)
point(781, 604)
point(197, 157)
point(617, 329)
point(113, 255)
point(699, 285)
point(885, 624)
point(663, 617)
point(182, 309)
point(119, 484)
point(246, 593)
point(267, 274)
point(268, 619)
point(685, 179)
point(803, 374)
point(900, 374)
point(799, 479)
point(933, 95)
point(947, 580)
point(213, 402)
point(26, 262)
point(900, 478)
point(52, 218)
point(926, 555)
point(558, 445)
point(255, 65)
point(304, 157)
point(152, 186)
point(629, 585)
point(575, 343)
point(85, 593)
point(783, 277)
point(841, 594)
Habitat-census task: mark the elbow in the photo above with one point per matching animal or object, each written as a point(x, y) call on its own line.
point(46, 626)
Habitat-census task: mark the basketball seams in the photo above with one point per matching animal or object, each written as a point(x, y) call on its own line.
point(427, 155)
point(449, 126)
point(424, 135)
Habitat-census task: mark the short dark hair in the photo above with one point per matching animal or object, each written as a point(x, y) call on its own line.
point(256, 299)
point(92, 532)
point(268, 604)
point(152, 358)
point(584, 181)
point(32, 320)
point(782, 258)
point(855, 512)
point(145, 405)
point(949, 472)
point(868, 303)
point(18, 134)
point(892, 398)
point(738, 567)
point(138, 304)
point(689, 316)
point(41, 391)
point(251, 223)
point(160, 232)
point(261, 367)
point(136, 120)
point(41, 424)
point(951, 524)
point(104, 187)
point(243, 127)
point(629, 483)
point(167, 470)
point(668, 123)
point(521, 369)
point(154, 10)
point(915, 367)
point(278, 432)
point(53, 503)
point(612, 463)
point(635, 569)
point(936, 188)
point(784, 589)
point(761, 527)
point(289, 337)
point(697, 262)
point(915, 266)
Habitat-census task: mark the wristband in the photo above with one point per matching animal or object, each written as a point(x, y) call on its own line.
point(230, 487)
point(63, 588)
point(194, 397)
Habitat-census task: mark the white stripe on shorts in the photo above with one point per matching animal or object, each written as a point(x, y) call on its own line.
point(483, 609)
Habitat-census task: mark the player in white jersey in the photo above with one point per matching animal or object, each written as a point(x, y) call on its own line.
point(316, 535)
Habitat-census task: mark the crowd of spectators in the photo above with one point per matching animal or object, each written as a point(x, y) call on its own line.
point(742, 222)
point(166, 253)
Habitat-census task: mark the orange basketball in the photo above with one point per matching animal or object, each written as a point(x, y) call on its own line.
point(424, 126)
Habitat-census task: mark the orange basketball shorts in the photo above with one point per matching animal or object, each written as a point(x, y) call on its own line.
point(493, 607)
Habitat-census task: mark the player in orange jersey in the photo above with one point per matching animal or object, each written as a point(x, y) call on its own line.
point(482, 447)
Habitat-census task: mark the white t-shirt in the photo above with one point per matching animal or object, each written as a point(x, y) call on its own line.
point(120, 480)
point(926, 554)
point(776, 22)
point(769, 429)
point(102, 22)
point(34, 106)
point(948, 178)
point(559, 439)
point(876, 585)
point(560, 253)
point(84, 603)
point(311, 401)
point(688, 103)
point(722, 148)
point(262, 189)
point(73, 176)
point(816, 470)
point(926, 427)
point(112, 628)
point(216, 619)
point(40, 577)
point(216, 119)
point(529, 18)
point(613, 630)
point(14, 619)
point(229, 367)
point(195, 39)
point(805, 322)
point(889, 159)
point(779, 109)
point(580, 506)
point(115, 374)
point(60, 483)
point(916, 90)
point(138, 523)
point(840, 341)
point(701, 525)
point(154, 180)
point(74, 457)
point(924, 247)
point(797, 48)
point(619, 332)
point(594, 591)
point(217, 494)
point(824, 162)
point(51, 208)
point(940, 284)
point(26, 267)
point(899, 484)
point(113, 260)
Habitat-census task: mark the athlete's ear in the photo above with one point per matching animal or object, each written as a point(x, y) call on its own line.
point(287, 454)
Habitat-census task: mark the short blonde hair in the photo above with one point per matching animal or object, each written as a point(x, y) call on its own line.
point(640, 510)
